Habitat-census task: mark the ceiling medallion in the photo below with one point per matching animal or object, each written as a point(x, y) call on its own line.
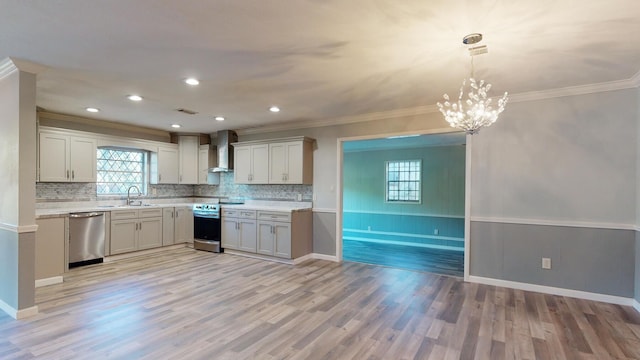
point(476, 111)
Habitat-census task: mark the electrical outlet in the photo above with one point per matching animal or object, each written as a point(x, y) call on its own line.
point(546, 263)
point(299, 197)
point(153, 191)
point(315, 197)
point(436, 231)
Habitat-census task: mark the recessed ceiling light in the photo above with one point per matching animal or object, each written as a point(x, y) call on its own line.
point(134, 97)
point(92, 109)
point(192, 81)
point(176, 126)
point(274, 109)
point(219, 118)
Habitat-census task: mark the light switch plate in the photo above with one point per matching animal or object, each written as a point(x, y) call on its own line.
point(546, 263)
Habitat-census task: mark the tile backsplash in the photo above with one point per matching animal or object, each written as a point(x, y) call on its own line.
point(87, 191)
point(228, 188)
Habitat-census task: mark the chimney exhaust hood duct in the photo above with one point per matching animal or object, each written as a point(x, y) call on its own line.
point(225, 151)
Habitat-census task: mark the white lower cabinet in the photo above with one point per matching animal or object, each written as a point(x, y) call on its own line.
point(184, 225)
point(274, 237)
point(238, 230)
point(133, 230)
point(168, 226)
point(282, 234)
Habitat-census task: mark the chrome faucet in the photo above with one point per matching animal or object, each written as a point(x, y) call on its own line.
point(129, 201)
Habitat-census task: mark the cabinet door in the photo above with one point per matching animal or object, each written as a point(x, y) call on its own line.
point(189, 148)
point(83, 159)
point(149, 233)
point(123, 235)
point(265, 238)
point(260, 164)
point(203, 164)
point(242, 164)
point(168, 226)
point(277, 163)
point(184, 225)
point(229, 233)
point(248, 239)
point(54, 157)
point(167, 165)
point(282, 232)
point(294, 162)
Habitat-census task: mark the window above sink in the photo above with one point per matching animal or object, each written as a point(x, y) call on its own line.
point(119, 169)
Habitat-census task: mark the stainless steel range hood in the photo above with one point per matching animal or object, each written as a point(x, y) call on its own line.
point(225, 151)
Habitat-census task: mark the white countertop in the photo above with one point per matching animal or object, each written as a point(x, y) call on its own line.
point(66, 209)
point(62, 211)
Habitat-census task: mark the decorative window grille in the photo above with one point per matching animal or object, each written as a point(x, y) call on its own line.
point(403, 181)
point(118, 170)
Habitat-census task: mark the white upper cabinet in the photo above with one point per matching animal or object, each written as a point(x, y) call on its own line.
point(283, 161)
point(66, 158)
point(251, 164)
point(164, 165)
point(189, 147)
point(291, 162)
point(203, 164)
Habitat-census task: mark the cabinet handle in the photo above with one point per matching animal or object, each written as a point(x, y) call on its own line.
point(140, 226)
point(67, 174)
point(159, 177)
point(180, 178)
point(172, 215)
point(73, 174)
point(136, 226)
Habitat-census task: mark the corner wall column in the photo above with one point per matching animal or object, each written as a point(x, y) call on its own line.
point(17, 183)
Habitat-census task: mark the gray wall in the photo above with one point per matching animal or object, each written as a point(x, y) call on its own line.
point(637, 275)
point(568, 161)
point(324, 233)
point(585, 259)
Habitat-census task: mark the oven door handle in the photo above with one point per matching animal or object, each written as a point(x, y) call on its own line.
point(206, 216)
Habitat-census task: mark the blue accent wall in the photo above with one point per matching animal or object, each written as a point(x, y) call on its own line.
point(437, 220)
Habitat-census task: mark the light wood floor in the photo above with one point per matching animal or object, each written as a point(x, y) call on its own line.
point(437, 261)
point(185, 304)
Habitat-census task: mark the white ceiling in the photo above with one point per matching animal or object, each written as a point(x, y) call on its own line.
point(316, 59)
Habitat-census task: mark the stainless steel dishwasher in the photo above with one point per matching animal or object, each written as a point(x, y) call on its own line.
point(86, 238)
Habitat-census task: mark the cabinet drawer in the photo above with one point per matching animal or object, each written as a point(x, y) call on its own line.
point(147, 213)
point(124, 214)
point(247, 214)
point(230, 213)
point(274, 216)
point(237, 213)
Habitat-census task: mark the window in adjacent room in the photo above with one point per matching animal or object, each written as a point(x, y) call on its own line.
point(119, 169)
point(403, 181)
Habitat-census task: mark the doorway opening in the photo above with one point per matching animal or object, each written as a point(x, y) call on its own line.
point(403, 202)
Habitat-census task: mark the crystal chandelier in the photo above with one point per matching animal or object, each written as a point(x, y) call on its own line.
point(477, 110)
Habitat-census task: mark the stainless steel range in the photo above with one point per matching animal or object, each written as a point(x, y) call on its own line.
point(206, 227)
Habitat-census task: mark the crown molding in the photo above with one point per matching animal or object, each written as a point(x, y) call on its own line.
point(635, 79)
point(632, 82)
point(7, 67)
point(576, 90)
point(343, 120)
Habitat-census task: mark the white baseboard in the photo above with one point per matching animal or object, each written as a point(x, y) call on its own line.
point(612, 299)
point(302, 259)
point(117, 257)
point(49, 281)
point(636, 305)
point(258, 256)
point(324, 257)
point(18, 314)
